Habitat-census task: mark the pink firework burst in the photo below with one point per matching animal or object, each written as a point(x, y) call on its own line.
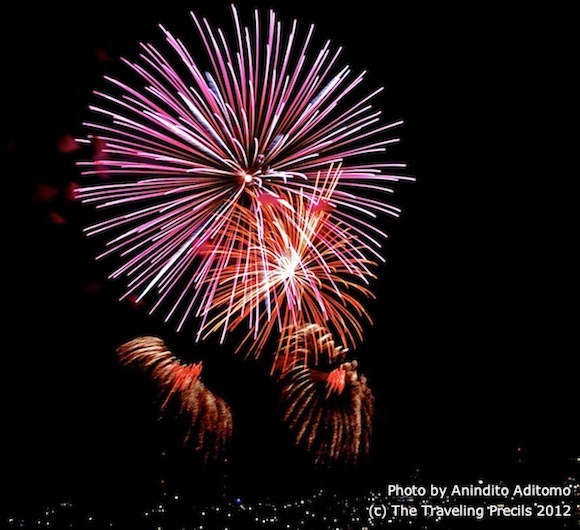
point(190, 151)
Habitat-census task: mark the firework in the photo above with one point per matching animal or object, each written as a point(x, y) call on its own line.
point(208, 416)
point(190, 142)
point(327, 404)
point(304, 267)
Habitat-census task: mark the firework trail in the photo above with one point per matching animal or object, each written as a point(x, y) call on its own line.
point(191, 142)
point(327, 404)
point(208, 416)
point(303, 268)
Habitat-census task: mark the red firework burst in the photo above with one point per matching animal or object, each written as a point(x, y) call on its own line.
point(327, 404)
point(208, 417)
point(301, 268)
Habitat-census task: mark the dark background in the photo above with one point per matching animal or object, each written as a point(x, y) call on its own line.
point(472, 354)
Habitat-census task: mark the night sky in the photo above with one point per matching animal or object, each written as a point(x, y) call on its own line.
point(472, 351)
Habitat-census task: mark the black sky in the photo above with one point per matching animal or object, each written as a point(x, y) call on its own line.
point(472, 354)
